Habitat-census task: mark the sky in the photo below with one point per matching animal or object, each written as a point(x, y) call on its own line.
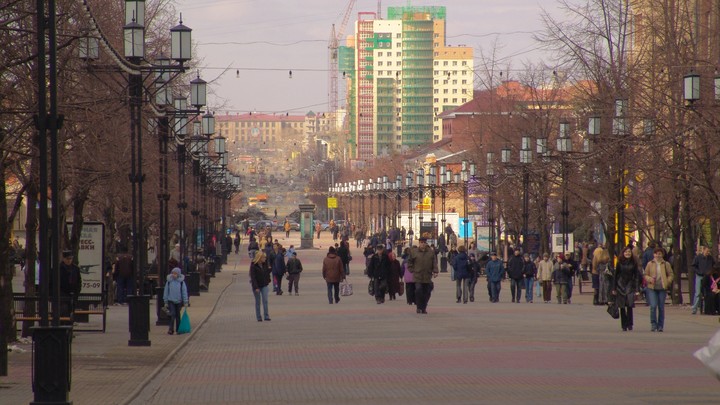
point(248, 47)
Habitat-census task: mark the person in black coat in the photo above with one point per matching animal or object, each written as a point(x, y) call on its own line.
point(379, 272)
point(626, 287)
point(515, 267)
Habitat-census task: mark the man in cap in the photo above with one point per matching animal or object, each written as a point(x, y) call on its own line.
point(494, 271)
point(423, 264)
point(70, 283)
point(379, 272)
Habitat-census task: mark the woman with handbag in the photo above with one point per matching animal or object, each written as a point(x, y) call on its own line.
point(408, 278)
point(626, 287)
point(659, 278)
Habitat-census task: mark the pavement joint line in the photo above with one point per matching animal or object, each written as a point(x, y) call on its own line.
point(179, 347)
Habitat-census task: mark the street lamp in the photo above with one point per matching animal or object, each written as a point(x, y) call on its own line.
point(564, 146)
point(490, 173)
point(409, 185)
point(420, 181)
point(525, 160)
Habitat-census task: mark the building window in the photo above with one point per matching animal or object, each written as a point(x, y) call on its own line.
point(436, 100)
point(398, 35)
point(464, 82)
point(445, 63)
point(445, 91)
point(454, 91)
point(436, 91)
point(454, 63)
point(445, 100)
point(436, 63)
point(398, 63)
point(454, 81)
point(380, 63)
point(455, 101)
point(436, 128)
point(398, 54)
point(464, 100)
point(464, 63)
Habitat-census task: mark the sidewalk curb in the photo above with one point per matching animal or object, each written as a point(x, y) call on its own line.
point(133, 395)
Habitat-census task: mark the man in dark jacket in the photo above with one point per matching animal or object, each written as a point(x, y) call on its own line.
point(494, 272)
point(702, 265)
point(333, 273)
point(278, 268)
point(294, 268)
point(463, 275)
point(515, 268)
point(379, 272)
point(70, 284)
point(124, 277)
point(423, 264)
point(344, 252)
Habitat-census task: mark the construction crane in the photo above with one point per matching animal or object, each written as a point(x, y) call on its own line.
point(335, 38)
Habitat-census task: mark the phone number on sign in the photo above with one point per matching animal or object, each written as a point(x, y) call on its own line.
point(91, 285)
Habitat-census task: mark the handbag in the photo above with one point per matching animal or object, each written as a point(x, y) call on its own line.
point(613, 310)
point(346, 289)
point(371, 287)
point(184, 323)
point(401, 289)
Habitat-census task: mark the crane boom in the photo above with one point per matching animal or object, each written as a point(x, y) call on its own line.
point(335, 38)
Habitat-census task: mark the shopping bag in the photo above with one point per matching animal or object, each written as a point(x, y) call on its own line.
point(371, 287)
point(184, 323)
point(613, 310)
point(346, 288)
point(401, 289)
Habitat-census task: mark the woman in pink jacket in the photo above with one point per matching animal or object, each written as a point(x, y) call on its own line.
point(408, 278)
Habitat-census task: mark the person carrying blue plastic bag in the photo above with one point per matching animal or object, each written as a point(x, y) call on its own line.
point(175, 296)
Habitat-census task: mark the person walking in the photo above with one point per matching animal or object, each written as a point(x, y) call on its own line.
point(344, 252)
point(562, 276)
point(236, 242)
point(260, 282)
point(603, 268)
point(379, 271)
point(253, 248)
point(279, 268)
point(294, 268)
point(408, 278)
point(474, 267)
point(175, 296)
point(424, 267)
point(515, 267)
point(333, 273)
point(461, 266)
point(395, 276)
point(124, 277)
point(545, 269)
point(530, 273)
point(626, 287)
point(702, 266)
point(659, 278)
point(287, 227)
point(494, 272)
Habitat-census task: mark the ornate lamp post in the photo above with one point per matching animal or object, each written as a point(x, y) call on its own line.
point(409, 186)
point(420, 181)
point(490, 172)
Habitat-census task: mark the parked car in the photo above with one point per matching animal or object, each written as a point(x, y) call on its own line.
point(262, 224)
point(294, 226)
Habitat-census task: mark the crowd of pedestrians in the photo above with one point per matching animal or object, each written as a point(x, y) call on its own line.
point(633, 276)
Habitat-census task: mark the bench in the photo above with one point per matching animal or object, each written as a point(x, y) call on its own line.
point(26, 309)
point(90, 304)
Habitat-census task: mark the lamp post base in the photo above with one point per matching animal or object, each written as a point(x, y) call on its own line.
point(52, 370)
point(139, 319)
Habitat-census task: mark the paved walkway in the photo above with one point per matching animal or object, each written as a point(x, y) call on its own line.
point(358, 352)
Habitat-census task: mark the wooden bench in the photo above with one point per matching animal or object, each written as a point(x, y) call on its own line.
point(26, 309)
point(90, 304)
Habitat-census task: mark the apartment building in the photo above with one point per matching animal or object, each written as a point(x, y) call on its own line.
point(401, 78)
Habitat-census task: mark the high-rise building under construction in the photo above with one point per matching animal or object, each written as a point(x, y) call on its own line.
point(400, 76)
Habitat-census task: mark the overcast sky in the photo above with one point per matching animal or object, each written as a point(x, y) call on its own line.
point(265, 39)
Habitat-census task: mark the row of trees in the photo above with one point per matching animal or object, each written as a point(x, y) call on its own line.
point(654, 158)
point(94, 141)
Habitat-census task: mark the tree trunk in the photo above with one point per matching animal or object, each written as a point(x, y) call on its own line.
point(31, 249)
point(7, 329)
point(79, 200)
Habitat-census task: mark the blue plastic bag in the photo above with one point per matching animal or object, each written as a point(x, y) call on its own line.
point(184, 323)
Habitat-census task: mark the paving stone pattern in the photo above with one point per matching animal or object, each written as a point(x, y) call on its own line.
point(358, 352)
